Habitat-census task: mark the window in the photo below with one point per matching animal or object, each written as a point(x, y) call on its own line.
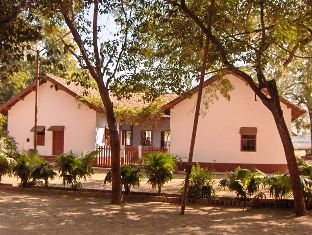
point(146, 138)
point(248, 139)
point(248, 143)
point(165, 139)
point(106, 139)
point(126, 137)
point(40, 135)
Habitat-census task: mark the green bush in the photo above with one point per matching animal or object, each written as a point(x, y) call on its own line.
point(6, 166)
point(159, 167)
point(24, 165)
point(305, 171)
point(73, 168)
point(42, 171)
point(201, 182)
point(130, 176)
point(279, 185)
point(245, 183)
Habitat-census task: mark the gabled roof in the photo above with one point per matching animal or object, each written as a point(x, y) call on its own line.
point(295, 110)
point(75, 90)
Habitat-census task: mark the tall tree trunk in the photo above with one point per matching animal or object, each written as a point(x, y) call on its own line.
point(310, 117)
point(115, 144)
point(277, 112)
point(195, 124)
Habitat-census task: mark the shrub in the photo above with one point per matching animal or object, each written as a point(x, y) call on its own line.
point(244, 182)
point(72, 167)
point(130, 176)
point(159, 168)
point(24, 164)
point(8, 146)
point(42, 171)
point(6, 166)
point(279, 185)
point(305, 171)
point(201, 182)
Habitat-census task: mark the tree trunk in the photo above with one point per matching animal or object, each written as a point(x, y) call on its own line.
point(297, 189)
point(159, 189)
point(310, 117)
point(114, 142)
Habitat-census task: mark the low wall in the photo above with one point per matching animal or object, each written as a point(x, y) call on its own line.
point(224, 167)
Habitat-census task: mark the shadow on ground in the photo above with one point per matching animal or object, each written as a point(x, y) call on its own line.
point(28, 213)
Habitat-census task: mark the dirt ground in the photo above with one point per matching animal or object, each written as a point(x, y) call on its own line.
point(97, 180)
point(30, 213)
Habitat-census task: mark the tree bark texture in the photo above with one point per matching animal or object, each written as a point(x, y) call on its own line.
point(283, 131)
point(115, 145)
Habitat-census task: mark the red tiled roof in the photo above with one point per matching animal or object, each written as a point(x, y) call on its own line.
point(136, 100)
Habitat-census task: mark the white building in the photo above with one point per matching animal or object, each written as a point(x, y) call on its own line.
point(241, 131)
point(68, 124)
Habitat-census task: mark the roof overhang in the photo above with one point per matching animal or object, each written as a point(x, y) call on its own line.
point(56, 128)
point(296, 111)
point(32, 87)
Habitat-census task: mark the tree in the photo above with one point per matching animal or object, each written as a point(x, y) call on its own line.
point(295, 83)
point(243, 34)
point(104, 58)
point(17, 70)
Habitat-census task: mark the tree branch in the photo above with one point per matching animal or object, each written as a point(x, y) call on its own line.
point(123, 47)
point(95, 37)
point(79, 42)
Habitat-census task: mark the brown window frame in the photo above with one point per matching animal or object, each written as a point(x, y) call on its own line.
point(162, 141)
point(41, 138)
point(106, 139)
point(250, 144)
point(124, 136)
point(144, 141)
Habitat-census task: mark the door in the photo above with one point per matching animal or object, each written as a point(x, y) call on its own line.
point(58, 142)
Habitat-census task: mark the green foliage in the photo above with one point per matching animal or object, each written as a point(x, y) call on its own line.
point(279, 185)
point(24, 165)
point(6, 166)
point(130, 176)
point(42, 171)
point(245, 183)
point(72, 167)
point(201, 182)
point(159, 167)
point(149, 113)
point(304, 168)
point(305, 171)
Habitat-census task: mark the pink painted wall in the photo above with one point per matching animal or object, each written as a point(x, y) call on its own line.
point(218, 137)
point(56, 108)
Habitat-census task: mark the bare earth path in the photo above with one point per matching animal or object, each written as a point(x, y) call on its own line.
point(30, 213)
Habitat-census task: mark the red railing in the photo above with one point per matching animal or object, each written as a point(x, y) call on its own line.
point(128, 156)
point(150, 149)
point(103, 158)
point(131, 155)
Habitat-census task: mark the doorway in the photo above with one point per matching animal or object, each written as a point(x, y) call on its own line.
point(58, 142)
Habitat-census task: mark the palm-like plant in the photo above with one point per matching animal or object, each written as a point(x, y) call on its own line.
point(24, 164)
point(305, 171)
point(279, 185)
point(201, 182)
point(43, 171)
point(72, 167)
point(130, 176)
point(244, 182)
point(159, 168)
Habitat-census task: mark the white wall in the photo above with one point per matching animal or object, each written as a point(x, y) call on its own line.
point(55, 108)
point(218, 137)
